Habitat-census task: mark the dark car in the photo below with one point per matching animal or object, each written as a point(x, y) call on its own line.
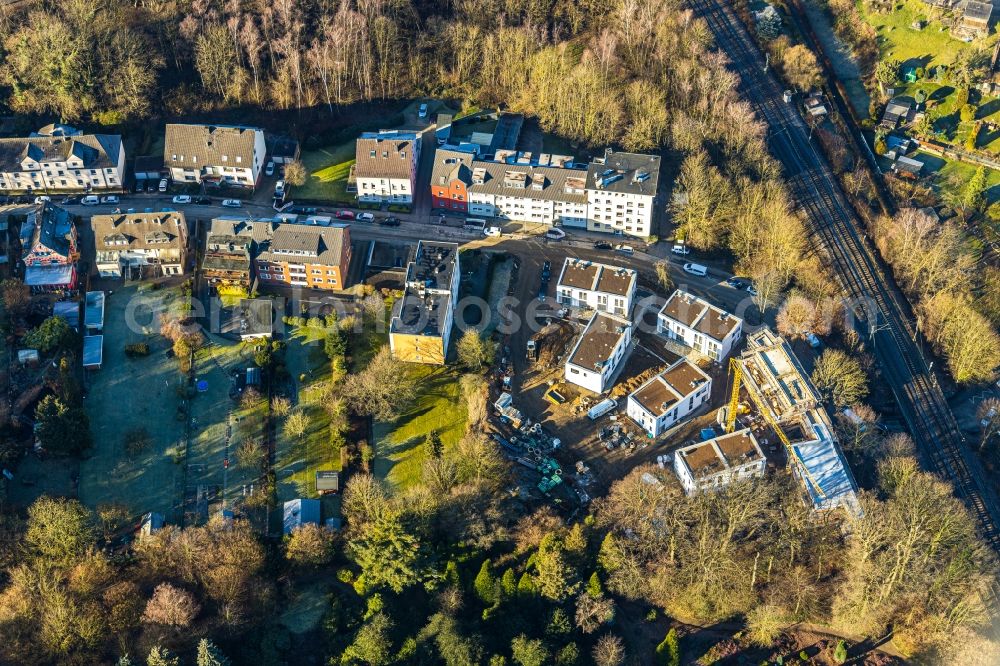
point(202, 201)
point(603, 245)
point(737, 283)
point(546, 271)
point(390, 222)
point(71, 200)
point(303, 210)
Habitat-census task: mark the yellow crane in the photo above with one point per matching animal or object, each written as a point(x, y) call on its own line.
point(736, 367)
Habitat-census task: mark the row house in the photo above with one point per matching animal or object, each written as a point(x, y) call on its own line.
point(298, 255)
point(422, 320)
point(595, 286)
point(385, 166)
point(229, 249)
point(698, 324)
point(224, 154)
point(59, 158)
point(140, 245)
point(666, 399)
point(615, 193)
point(600, 352)
point(49, 249)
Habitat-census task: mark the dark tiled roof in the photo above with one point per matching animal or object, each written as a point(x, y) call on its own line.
point(699, 314)
point(580, 274)
point(51, 226)
point(672, 385)
point(139, 230)
point(314, 245)
point(598, 341)
point(386, 155)
point(209, 143)
point(95, 151)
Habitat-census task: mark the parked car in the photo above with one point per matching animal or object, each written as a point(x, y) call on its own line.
point(110, 199)
point(90, 200)
point(493, 231)
point(389, 222)
point(344, 215)
point(42, 199)
point(269, 169)
point(422, 111)
point(203, 201)
point(555, 234)
point(737, 283)
point(69, 201)
point(163, 184)
point(546, 270)
point(365, 217)
point(303, 210)
point(603, 245)
point(279, 189)
point(813, 341)
point(695, 269)
point(232, 203)
point(624, 249)
point(681, 249)
point(750, 290)
point(182, 199)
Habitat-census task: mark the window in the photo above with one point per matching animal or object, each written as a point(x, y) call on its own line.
point(239, 159)
point(265, 276)
point(225, 158)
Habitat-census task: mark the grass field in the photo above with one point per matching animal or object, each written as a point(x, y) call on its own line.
point(328, 170)
point(916, 48)
point(131, 393)
point(952, 173)
point(297, 460)
point(401, 450)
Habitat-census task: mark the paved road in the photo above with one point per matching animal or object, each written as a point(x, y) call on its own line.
point(861, 274)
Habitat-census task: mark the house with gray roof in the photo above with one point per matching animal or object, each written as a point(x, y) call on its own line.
point(600, 352)
point(696, 323)
point(305, 256)
point(621, 192)
point(49, 248)
point(230, 246)
point(60, 158)
point(588, 284)
point(140, 245)
point(224, 154)
point(420, 329)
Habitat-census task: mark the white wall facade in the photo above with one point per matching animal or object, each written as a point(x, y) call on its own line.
point(656, 424)
point(719, 479)
point(599, 381)
point(704, 344)
point(619, 212)
point(234, 170)
point(69, 175)
point(390, 190)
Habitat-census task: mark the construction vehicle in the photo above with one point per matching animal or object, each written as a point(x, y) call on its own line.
point(736, 369)
point(532, 350)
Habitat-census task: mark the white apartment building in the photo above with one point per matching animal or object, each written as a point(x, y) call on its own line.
point(698, 324)
point(718, 462)
point(588, 284)
point(59, 158)
point(600, 352)
point(140, 245)
point(621, 193)
point(229, 154)
point(385, 166)
point(664, 401)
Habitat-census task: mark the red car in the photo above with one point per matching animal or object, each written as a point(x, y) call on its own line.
point(344, 215)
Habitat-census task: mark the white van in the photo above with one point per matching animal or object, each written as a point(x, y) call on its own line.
point(493, 231)
point(695, 269)
point(474, 224)
point(163, 184)
point(601, 408)
point(90, 200)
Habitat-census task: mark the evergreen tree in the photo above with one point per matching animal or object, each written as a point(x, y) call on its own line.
point(124, 660)
point(508, 583)
point(159, 656)
point(840, 653)
point(668, 653)
point(210, 655)
point(486, 585)
point(526, 586)
point(451, 574)
point(594, 587)
point(569, 655)
point(975, 190)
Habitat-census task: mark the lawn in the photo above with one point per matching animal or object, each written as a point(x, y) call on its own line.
point(328, 170)
point(917, 48)
point(297, 460)
point(948, 172)
point(130, 393)
point(401, 449)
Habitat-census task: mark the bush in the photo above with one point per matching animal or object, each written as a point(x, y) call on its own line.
point(137, 349)
point(967, 113)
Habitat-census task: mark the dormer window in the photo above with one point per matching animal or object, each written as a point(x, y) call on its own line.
point(225, 158)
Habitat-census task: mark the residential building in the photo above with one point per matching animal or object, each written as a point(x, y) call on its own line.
point(698, 324)
point(664, 401)
point(305, 256)
point(222, 154)
point(718, 462)
point(229, 248)
point(588, 284)
point(62, 160)
point(385, 167)
point(299, 512)
point(422, 319)
point(49, 249)
point(140, 245)
point(600, 352)
point(975, 20)
point(621, 193)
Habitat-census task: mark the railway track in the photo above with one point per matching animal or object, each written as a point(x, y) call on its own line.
point(864, 279)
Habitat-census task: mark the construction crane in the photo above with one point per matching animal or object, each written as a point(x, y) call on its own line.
point(736, 367)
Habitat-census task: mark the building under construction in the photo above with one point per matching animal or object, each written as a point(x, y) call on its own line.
point(784, 397)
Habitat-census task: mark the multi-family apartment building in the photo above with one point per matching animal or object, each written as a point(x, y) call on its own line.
point(719, 461)
point(230, 247)
point(621, 193)
point(600, 352)
point(549, 189)
point(305, 256)
point(49, 248)
point(588, 284)
point(422, 319)
point(60, 158)
point(696, 323)
point(385, 166)
point(140, 245)
point(226, 154)
point(664, 401)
